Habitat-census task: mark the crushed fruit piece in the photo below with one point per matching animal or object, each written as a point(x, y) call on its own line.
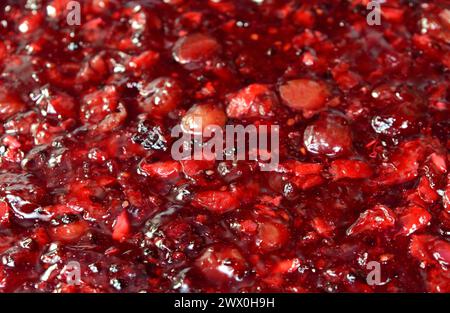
point(255, 100)
point(414, 218)
point(350, 169)
point(304, 95)
point(121, 227)
point(377, 219)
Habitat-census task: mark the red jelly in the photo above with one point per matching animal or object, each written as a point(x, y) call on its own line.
point(87, 176)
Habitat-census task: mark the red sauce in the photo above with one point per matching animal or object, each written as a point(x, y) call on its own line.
point(86, 173)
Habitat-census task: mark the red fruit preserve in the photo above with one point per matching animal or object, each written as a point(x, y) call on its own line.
point(92, 198)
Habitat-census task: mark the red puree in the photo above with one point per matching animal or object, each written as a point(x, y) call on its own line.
point(86, 172)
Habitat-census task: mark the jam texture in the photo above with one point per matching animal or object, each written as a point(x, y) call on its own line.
point(88, 183)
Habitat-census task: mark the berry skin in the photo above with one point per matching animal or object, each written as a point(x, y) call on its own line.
point(121, 228)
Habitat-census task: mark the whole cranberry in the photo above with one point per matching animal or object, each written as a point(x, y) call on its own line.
point(304, 95)
point(329, 136)
point(195, 48)
point(160, 96)
point(69, 232)
point(398, 119)
point(255, 100)
point(271, 235)
point(96, 105)
point(55, 103)
point(200, 116)
point(221, 263)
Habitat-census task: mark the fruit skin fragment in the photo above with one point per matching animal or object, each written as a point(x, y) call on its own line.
point(425, 190)
point(353, 169)
point(403, 164)
point(4, 213)
point(163, 169)
point(378, 218)
point(221, 263)
point(431, 251)
point(446, 196)
point(121, 227)
point(413, 219)
point(217, 201)
point(301, 168)
point(69, 232)
point(271, 236)
point(286, 266)
point(255, 100)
